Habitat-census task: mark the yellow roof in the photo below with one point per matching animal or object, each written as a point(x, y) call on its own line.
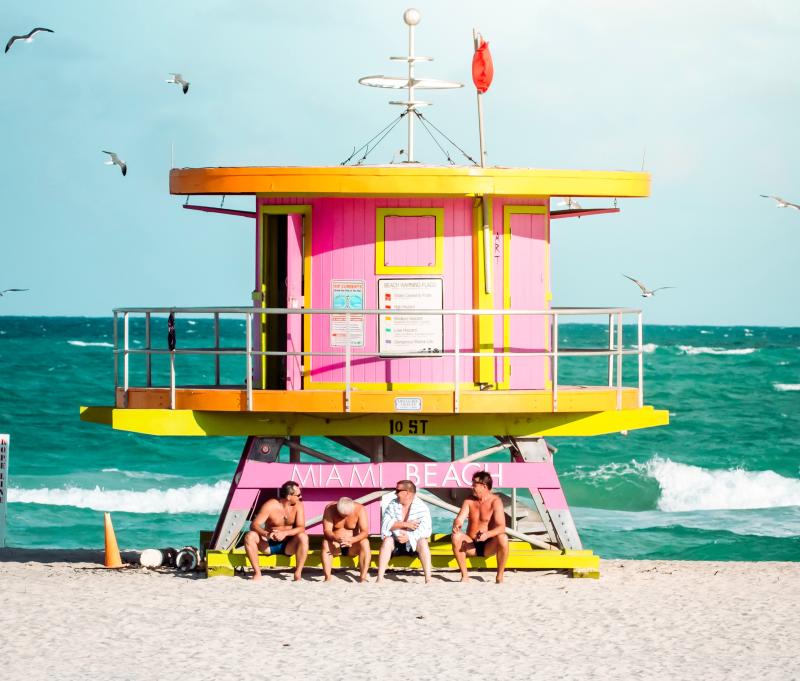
point(406, 180)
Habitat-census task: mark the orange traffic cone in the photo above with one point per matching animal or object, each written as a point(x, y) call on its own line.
point(113, 559)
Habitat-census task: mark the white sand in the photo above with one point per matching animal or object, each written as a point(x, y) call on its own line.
point(641, 620)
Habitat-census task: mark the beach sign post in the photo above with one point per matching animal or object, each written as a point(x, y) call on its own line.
point(4, 445)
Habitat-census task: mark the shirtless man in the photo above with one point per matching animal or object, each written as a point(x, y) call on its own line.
point(345, 532)
point(279, 527)
point(486, 531)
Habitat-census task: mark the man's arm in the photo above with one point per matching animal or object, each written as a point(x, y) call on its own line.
point(261, 518)
point(362, 527)
point(389, 517)
point(462, 516)
point(498, 520)
point(425, 526)
point(327, 525)
point(299, 521)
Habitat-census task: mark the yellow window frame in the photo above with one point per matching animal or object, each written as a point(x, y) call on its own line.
point(380, 241)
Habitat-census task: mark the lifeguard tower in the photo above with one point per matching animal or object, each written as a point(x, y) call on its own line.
point(392, 304)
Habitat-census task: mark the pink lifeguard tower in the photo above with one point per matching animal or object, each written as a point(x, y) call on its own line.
point(393, 304)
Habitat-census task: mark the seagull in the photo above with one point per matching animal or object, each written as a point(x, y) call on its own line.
point(177, 78)
point(781, 203)
point(6, 290)
point(117, 161)
point(570, 203)
point(646, 293)
point(28, 37)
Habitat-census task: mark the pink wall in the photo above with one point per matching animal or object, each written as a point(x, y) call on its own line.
point(343, 247)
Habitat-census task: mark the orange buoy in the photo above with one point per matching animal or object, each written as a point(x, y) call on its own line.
point(113, 559)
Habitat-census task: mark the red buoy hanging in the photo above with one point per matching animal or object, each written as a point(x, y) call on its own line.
point(482, 67)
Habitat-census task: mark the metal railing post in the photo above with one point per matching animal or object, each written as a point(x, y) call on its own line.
point(347, 361)
point(148, 357)
point(116, 354)
point(216, 348)
point(125, 360)
point(555, 361)
point(610, 350)
point(457, 342)
point(249, 359)
point(619, 360)
point(641, 362)
point(172, 379)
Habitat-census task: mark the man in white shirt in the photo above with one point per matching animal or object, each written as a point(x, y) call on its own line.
point(405, 529)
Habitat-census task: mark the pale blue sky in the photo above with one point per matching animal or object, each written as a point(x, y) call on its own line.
point(710, 89)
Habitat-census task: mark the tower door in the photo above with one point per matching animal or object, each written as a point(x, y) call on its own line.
point(280, 286)
point(527, 256)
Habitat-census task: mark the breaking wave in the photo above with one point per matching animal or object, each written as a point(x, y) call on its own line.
point(786, 387)
point(88, 344)
point(691, 350)
point(195, 499)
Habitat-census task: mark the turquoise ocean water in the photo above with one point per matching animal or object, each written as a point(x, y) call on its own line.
point(722, 482)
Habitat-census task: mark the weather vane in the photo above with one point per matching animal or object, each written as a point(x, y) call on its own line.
point(411, 17)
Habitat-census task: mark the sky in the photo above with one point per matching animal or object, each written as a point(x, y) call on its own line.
point(704, 95)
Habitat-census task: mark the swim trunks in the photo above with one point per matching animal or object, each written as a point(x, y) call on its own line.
point(276, 547)
point(480, 549)
point(403, 550)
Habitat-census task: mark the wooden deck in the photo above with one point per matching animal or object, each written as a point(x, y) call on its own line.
point(229, 399)
point(522, 556)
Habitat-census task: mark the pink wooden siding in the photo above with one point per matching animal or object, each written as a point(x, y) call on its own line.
point(409, 240)
point(529, 286)
point(343, 247)
point(294, 299)
point(527, 293)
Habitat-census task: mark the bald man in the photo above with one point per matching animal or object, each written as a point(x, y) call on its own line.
point(345, 532)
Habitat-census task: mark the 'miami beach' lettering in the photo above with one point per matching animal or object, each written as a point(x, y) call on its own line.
point(460, 475)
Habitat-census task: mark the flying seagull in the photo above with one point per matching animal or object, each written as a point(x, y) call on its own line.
point(28, 37)
point(570, 203)
point(646, 293)
point(117, 161)
point(781, 203)
point(6, 290)
point(177, 78)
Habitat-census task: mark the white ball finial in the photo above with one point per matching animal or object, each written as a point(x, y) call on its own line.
point(411, 16)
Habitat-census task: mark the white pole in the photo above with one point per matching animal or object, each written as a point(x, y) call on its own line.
point(410, 107)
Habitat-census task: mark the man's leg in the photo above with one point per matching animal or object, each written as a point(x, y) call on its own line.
point(498, 545)
point(297, 546)
point(424, 552)
point(251, 541)
point(364, 558)
point(327, 559)
point(462, 544)
point(383, 557)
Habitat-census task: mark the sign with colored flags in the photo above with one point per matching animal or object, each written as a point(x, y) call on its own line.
point(482, 67)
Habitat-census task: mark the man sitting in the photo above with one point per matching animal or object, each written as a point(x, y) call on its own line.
point(279, 527)
point(405, 529)
point(486, 531)
point(345, 532)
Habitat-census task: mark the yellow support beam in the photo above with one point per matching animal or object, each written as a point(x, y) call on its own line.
point(188, 422)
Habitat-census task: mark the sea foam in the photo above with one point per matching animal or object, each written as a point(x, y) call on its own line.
point(691, 350)
point(786, 387)
point(691, 488)
point(195, 499)
point(88, 344)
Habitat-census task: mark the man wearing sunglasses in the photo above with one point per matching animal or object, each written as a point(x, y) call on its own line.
point(279, 527)
point(486, 528)
point(405, 529)
point(345, 532)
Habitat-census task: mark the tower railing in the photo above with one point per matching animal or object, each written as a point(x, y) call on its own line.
point(614, 350)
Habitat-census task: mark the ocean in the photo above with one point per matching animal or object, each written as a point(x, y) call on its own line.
point(721, 482)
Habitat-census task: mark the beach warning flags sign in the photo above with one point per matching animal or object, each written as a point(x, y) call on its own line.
point(482, 67)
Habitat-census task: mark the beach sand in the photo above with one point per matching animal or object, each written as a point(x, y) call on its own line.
point(64, 616)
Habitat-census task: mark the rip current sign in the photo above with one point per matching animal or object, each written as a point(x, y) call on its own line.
point(4, 443)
